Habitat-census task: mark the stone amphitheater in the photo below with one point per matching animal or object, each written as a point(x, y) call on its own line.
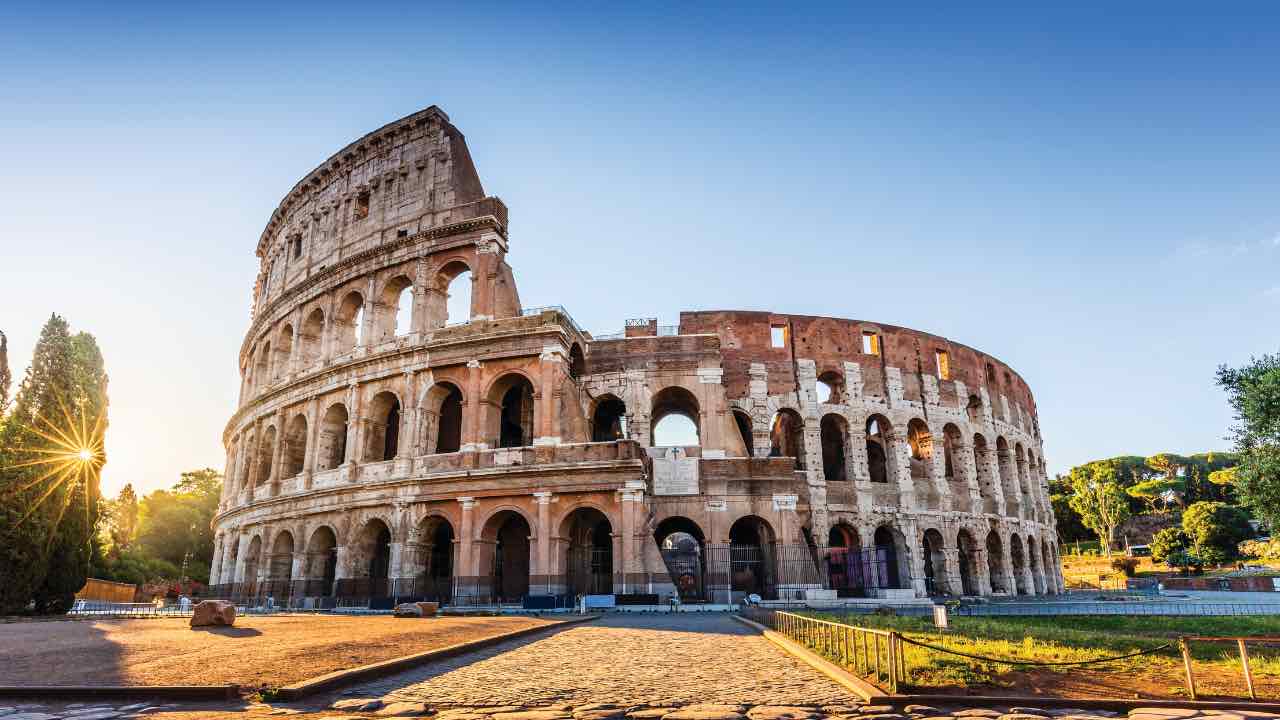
point(384, 450)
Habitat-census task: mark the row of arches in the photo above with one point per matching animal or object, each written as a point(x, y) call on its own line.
point(391, 312)
point(427, 566)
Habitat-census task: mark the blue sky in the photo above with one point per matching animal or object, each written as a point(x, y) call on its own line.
point(1090, 194)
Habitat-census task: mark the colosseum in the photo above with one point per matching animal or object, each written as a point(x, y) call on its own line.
point(385, 451)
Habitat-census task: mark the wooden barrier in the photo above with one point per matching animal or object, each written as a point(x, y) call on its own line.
point(96, 590)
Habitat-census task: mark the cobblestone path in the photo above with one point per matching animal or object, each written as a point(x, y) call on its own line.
point(623, 658)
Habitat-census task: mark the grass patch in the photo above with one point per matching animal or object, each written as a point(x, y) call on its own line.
point(1070, 639)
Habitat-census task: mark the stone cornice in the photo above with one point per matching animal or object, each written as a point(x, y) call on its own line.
point(263, 317)
point(343, 159)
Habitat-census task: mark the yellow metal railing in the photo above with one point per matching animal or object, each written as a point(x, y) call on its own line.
point(869, 652)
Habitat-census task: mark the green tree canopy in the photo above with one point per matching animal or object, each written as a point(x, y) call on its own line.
point(1253, 391)
point(1215, 530)
point(48, 493)
point(6, 377)
point(1099, 498)
point(173, 523)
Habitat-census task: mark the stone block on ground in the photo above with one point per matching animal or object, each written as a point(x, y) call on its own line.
point(533, 715)
point(213, 613)
point(978, 713)
point(360, 704)
point(651, 713)
point(688, 714)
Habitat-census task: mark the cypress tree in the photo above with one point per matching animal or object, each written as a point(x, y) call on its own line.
point(48, 497)
point(6, 378)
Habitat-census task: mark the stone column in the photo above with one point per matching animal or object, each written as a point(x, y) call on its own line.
point(368, 322)
point(408, 422)
point(353, 429)
point(547, 416)
point(981, 571)
point(465, 571)
point(1011, 578)
point(542, 560)
point(473, 431)
point(951, 561)
point(277, 458)
point(630, 562)
point(215, 565)
point(900, 464)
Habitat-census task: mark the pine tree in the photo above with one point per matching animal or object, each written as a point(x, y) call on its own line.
point(48, 497)
point(6, 378)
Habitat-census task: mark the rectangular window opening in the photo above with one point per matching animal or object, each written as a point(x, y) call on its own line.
point(870, 343)
point(362, 206)
point(944, 365)
point(778, 335)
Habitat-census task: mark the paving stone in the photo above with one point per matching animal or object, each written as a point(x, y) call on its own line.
point(533, 715)
point(1018, 710)
point(600, 714)
point(866, 709)
point(978, 712)
point(1022, 716)
point(131, 708)
point(31, 716)
point(360, 704)
point(923, 710)
point(782, 712)
point(638, 661)
point(602, 706)
point(704, 715)
point(403, 709)
point(1084, 716)
point(1165, 712)
point(95, 715)
point(651, 713)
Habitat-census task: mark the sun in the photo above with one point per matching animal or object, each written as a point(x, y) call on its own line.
point(73, 455)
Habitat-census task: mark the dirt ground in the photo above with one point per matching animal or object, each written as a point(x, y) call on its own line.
point(1163, 683)
point(257, 652)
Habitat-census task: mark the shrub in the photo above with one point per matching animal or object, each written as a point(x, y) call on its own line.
point(1126, 565)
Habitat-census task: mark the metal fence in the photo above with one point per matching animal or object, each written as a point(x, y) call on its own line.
point(872, 653)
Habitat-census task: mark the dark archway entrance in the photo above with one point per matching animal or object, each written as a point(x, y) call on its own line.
point(434, 552)
point(683, 549)
point(510, 571)
point(751, 566)
point(589, 554)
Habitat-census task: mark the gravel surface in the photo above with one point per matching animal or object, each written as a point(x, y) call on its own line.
point(256, 652)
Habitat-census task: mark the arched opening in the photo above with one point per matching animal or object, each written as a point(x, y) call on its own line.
point(683, 549)
point(1019, 565)
point(372, 560)
point(995, 564)
point(262, 371)
point(456, 283)
point(251, 568)
point(786, 436)
point(675, 416)
point(311, 338)
point(511, 412)
point(383, 441)
point(348, 323)
point(295, 446)
point(743, 422)
point(935, 563)
point(284, 349)
point(434, 559)
point(968, 559)
point(879, 435)
point(266, 454)
point(890, 554)
point(609, 421)
point(1020, 464)
point(951, 441)
point(974, 410)
point(1033, 483)
point(333, 437)
point(577, 363)
point(508, 533)
point(920, 441)
point(751, 566)
point(322, 562)
point(445, 400)
point(280, 569)
point(1008, 478)
point(835, 436)
point(831, 388)
point(1033, 564)
point(231, 562)
point(845, 562)
point(397, 297)
point(982, 466)
point(588, 558)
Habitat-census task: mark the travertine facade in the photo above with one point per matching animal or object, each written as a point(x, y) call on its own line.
point(382, 448)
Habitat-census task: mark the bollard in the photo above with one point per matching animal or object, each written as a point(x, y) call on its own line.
point(1186, 664)
point(1248, 675)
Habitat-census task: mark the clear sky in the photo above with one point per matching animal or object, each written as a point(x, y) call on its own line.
point(1091, 194)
